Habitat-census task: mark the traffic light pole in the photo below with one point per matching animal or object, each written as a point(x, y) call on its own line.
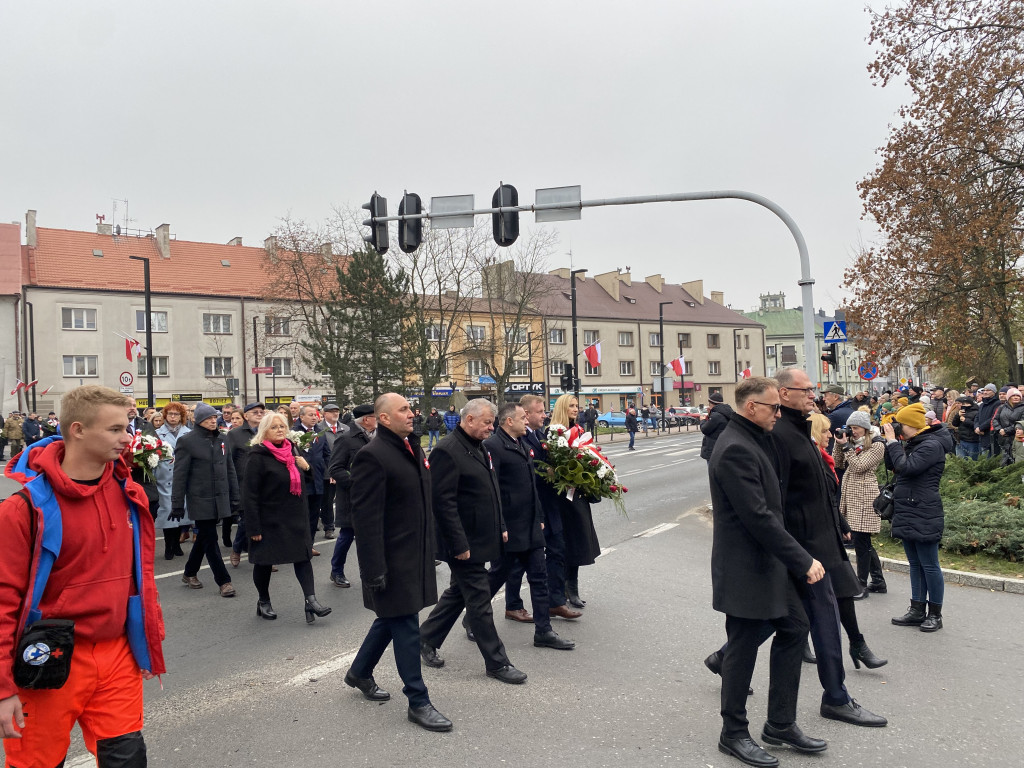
point(805, 282)
point(575, 335)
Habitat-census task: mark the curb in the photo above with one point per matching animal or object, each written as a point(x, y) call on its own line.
point(963, 578)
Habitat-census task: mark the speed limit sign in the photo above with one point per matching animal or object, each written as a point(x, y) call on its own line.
point(126, 379)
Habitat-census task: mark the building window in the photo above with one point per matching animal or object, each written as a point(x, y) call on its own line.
point(557, 367)
point(713, 341)
point(437, 333)
point(591, 370)
point(789, 354)
point(520, 367)
point(714, 368)
point(738, 341)
point(516, 335)
point(684, 340)
point(159, 321)
point(160, 367)
point(625, 367)
point(687, 368)
point(769, 351)
point(475, 333)
point(277, 326)
point(556, 336)
point(714, 391)
point(282, 365)
point(474, 368)
point(81, 365)
point(655, 339)
point(77, 319)
point(625, 338)
point(215, 367)
point(216, 323)
point(591, 337)
point(442, 368)
point(746, 341)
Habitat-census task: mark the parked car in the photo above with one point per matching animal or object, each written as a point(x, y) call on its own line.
point(611, 419)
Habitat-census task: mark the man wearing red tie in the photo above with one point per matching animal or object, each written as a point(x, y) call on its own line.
point(343, 453)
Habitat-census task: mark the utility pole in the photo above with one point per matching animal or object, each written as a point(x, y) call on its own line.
point(661, 346)
point(256, 356)
point(149, 329)
point(575, 334)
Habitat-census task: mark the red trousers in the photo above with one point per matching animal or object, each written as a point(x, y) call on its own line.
point(103, 695)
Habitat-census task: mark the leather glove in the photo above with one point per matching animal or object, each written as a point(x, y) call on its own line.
point(176, 514)
point(377, 583)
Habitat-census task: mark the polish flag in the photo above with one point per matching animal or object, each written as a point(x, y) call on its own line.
point(31, 384)
point(593, 354)
point(746, 373)
point(679, 365)
point(18, 386)
point(46, 391)
point(132, 349)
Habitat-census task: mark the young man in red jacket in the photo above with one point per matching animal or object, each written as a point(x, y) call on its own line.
point(90, 583)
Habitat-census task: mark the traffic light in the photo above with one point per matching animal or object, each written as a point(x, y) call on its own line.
point(568, 381)
point(829, 358)
point(378, 237)
point(505, 225)
point(410, 231)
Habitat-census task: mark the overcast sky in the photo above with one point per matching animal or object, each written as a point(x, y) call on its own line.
point(220, 117)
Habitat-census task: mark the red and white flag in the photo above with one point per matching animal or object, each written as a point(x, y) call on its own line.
point(746, 373)
point(679, 365)
point(132, 349)
point(31, 384)
point(593, 354)
point(45, 391)
point(18, 385)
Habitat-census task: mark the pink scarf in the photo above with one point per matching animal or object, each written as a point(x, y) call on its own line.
point(283, 453)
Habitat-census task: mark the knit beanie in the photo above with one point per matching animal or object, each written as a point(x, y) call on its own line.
point(912, 416)
point(903, 401)
point(859, 419)
point(1011, 392)
point(203, 412)
point(991, 387)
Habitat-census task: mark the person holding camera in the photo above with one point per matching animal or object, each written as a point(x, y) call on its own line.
point(919, 518)
point(965, 412)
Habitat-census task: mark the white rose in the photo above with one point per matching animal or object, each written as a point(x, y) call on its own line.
point(152, 460)
point(602, 471)
point(562, 443)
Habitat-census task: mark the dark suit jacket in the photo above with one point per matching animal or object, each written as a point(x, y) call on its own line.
point(204, 476)
point(342, 455)
point(318, 454)
point(549, 500)
point(238, 446)
point(394, 526)
point(753, 556)
point(467, 503)
point(517, 482)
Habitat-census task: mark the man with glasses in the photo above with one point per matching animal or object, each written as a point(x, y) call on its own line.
point(755, 566)
point(238, 440)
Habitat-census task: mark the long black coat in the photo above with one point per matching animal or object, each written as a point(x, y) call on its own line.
point(712, 427)
point(238, 446)
point(204, 476)
point(964, 422)
point(581, 544)
point(809, 500)
point(466, 500)
point(549, 500)
point(517, 482)
point(342, 455)
point(318, 454)
point(272, 511)
point(394, 525)
point(918, 466)
point(753, 556)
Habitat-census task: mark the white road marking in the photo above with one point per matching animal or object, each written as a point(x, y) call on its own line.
point(680, 453)
point(312, 674)
point(606, 551)
point(655, 530)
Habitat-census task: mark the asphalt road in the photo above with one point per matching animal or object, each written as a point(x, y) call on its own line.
point(242, 691)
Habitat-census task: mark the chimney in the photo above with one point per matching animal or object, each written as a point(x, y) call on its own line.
point(104, 229)
point(163, 240)
point(610, 282)
point(235, 241)
point(657, 282)
point(718, 297)
point(562, 272)
point(326, 249)
point(31, 238)
point(696, 289)
point(270, 246)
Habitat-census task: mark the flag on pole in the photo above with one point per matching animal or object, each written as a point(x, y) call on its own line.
point(593, 354)
point(132, 349)
point(18, 384)
point(46, 391)
point(679, 365)
point(746, 373)
point(31, 384)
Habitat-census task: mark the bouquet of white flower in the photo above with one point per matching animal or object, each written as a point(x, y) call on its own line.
point(576, 465)
point(148, 451)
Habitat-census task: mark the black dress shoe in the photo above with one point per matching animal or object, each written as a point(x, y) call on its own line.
point(714, 663)
point(430, 657)
point(853, 713)
point(792, 737)
point(429, 718)
point(507, 674)
point(748, 751)
point(368, 686)
point(878, 586)
point(469, 635)
point(809, 657)
point(550, 639)
point(862, 595)
point(339, 580)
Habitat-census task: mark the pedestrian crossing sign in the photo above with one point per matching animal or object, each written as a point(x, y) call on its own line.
point(835, 332)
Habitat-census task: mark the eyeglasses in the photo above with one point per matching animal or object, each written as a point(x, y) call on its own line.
point(809, 391)
point(776, 406)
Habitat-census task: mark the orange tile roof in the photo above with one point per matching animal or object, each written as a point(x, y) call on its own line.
point(64, 259)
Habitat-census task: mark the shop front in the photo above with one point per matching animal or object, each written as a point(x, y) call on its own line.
point(610, 398)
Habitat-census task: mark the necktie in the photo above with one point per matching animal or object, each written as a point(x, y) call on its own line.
point(131, 428)
point(407, 445)
point(334, 429)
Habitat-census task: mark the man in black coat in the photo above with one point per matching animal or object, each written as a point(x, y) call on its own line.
point(391, 511)
point(471, 532)
point(359, 433)
point(524, 519)
point(239, 444)
point(712, 426)
point(813, 520)
point(318, 454)
point(755, 564)
point(331, 429)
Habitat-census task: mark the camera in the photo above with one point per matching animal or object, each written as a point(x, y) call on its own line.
point(844, 432)
point(897, 428)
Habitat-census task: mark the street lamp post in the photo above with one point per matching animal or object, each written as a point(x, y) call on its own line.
point(151, 402)
point(255, 356)
point(575, 341)
point(661, 345)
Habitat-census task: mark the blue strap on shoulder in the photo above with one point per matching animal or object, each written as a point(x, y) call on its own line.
point(53, 536)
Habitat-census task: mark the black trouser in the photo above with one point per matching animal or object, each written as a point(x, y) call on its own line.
point(867, 560)
point(740, 656)
point(404, 632)
point(241, 542)
point(327, 505)
point(532, 561)
point(554, 563)
point(346, 535)
point(207, 544)
point(313, 502)
point(470, 589)
point(303, 572)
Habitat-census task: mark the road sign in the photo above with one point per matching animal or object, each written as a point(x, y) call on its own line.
point(127, 390)
point(126, 379)
point(262, 369)
point(835, 332)
point(868, 370)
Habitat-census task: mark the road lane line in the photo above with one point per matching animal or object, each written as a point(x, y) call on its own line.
point(680, 453)
point(655, 530)
point(606, 551)
point(313, 674)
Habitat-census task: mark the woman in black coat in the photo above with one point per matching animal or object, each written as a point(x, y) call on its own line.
point(276, 518)
point(919, 518)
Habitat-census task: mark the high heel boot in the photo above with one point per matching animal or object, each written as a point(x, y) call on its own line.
point(314, 609)
point(572, 593)
point(859, 652)
point(265, 609)
point(170, 544)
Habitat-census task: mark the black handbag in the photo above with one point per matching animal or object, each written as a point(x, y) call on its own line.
point(885, 502)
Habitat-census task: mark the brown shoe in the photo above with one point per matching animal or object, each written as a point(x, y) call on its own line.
point(519, 615)
point(192, 582)
point(227, 590)
point(235, 559)
point(315, 553)
point(565, 612)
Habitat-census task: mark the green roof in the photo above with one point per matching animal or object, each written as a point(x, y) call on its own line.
point(786, 322)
